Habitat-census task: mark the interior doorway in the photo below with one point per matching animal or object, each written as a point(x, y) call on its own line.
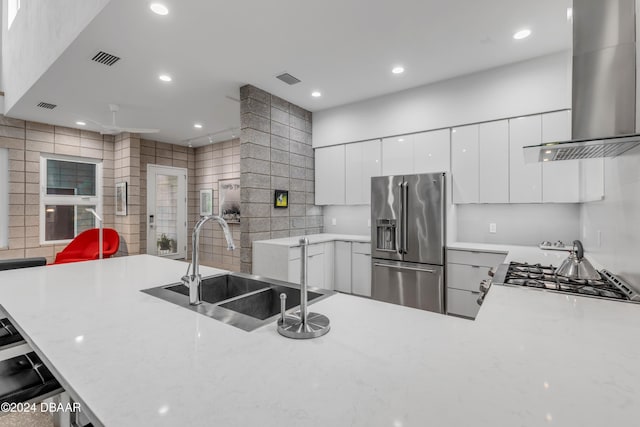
point(167, 211)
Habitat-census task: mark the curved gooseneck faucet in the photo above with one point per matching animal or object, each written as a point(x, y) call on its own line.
point(192, 281)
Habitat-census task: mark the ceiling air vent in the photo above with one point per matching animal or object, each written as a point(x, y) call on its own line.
point(288, 79)
point(47, 105)
point(105, 58)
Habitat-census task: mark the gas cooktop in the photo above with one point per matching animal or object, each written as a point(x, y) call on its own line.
point(544, 277)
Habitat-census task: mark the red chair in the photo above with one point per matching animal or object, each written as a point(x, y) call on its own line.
point(85, 246)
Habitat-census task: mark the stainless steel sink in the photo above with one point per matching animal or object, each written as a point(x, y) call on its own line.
point(241, 300)
point(266, 302)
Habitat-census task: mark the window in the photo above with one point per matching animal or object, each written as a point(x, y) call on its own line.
point(70, 186)
point(12, 10)
point(4, 197)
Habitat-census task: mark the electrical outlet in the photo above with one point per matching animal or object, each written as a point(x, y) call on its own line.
point(599, 238)
point(333, 221)
point(492, 228)
point(369, 222)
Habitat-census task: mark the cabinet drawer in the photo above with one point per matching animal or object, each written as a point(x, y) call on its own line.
point(318, 248)
point(361, 248)
point(466, 277)
point(462, 303)
point(485, 259)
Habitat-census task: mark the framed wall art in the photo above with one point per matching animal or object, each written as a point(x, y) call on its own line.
point(229, 191)
point(206, 202)
point(121, 198)
point(281, 199)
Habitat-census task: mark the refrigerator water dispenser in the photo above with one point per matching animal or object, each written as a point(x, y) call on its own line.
point(386, 240)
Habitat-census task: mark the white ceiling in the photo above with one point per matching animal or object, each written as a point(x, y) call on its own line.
point(345, 49)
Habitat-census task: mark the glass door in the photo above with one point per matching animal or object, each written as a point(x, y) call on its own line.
point(167, 211)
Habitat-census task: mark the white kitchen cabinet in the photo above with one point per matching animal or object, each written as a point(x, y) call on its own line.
point(561, 179)
point(465, 164)
point(591, 179)
point(397, 155)
point(342, 267)
point(525, 179)
point(465, 271)
point(422, 152)
point(363, 160)
point(432, 151)
point(361, 269)
point(462, 303)
point(330, 175)
point(494, 162)
point(316, 271)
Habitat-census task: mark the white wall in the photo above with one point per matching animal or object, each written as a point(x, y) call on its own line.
point(349, 219)
point(526, 224)
point(40, 33)
point(611, 227)
point(529, 87)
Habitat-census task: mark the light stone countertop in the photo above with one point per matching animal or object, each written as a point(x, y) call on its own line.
point(530, 359)
point(317, 238)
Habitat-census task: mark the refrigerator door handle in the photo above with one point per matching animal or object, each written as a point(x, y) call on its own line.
point(405, 218)
point(424, 270)
point(401, 223)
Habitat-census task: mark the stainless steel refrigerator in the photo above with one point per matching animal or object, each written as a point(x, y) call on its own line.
point(407, 240)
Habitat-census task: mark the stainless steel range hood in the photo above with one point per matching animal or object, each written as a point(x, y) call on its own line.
point(604, 84)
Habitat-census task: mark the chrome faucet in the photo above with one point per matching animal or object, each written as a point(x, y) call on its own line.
point(192, 281)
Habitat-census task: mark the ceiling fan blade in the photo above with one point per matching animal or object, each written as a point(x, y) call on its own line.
point(139, 130)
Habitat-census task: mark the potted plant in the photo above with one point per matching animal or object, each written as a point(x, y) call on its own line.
point(164, 243)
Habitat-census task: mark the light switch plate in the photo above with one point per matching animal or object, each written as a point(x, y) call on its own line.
point(369, 223)
point(333, 221)
point(492, 227)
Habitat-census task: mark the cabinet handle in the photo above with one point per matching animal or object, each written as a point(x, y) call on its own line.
point(475, 292)
point(475, 266)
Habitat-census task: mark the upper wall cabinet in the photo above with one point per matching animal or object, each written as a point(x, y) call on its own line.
point(431, 151)
point(494, 162)
point(330, 175)
point(364, 161)
point(480, 163)
point(422, 152)
point(561, 179)
point(525, 179)
point(397, 155)
point(465, 164)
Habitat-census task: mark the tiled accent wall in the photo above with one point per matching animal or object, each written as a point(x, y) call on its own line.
point(213, 163)
point(26, 141)
point(127, 169)
point(163, 154)
point(275, 153)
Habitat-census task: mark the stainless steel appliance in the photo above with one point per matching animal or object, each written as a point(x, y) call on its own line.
point(408, 239)
point(546, 278)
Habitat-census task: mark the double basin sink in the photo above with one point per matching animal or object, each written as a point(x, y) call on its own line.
point(238, 299)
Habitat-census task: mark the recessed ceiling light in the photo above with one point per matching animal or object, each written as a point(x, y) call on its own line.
point(397, 70)
point(81, 123)
point(316, 94)
point(165, 77)
point(197, 126)
point(158, 8)
point(522, 34)
point(569, 13)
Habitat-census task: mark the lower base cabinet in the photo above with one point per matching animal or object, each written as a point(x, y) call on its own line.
point(361, 269)
point(352, 274)
point(465, 271)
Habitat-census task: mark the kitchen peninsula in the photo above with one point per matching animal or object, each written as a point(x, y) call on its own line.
point(531, 358)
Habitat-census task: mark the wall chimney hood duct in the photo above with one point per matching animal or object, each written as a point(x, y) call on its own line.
point(604, 84)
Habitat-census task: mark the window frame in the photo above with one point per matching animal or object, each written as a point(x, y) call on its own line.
point(59, 199)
